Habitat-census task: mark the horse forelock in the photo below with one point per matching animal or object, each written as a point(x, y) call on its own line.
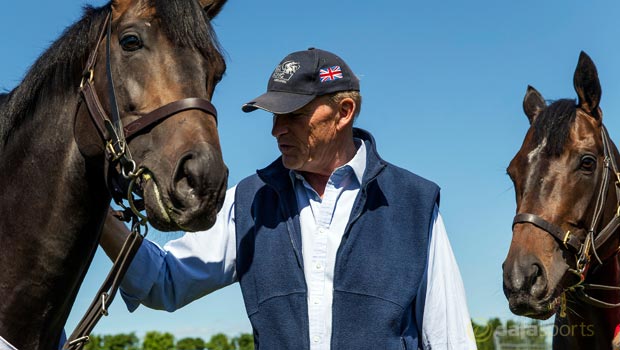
point(553, 125)
point(186, 25)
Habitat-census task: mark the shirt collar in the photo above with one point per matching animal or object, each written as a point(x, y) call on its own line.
point(357, 164)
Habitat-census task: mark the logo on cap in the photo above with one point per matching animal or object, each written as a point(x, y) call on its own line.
point(285, 71)
point(330, 74)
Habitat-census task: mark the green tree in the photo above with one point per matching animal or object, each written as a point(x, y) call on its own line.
point(191, 344)
point(158, 341)
point(512, 334)
point(245, 341)
point(220, 342)
point(484, 333)
point(120, 342)
point(538, 336)
point(95, 342)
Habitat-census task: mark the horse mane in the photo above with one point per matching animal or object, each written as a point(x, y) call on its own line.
point(554, 123)
point(59, 69)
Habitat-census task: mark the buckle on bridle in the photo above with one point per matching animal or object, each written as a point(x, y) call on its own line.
point(566, 238)
point(584, 255)
point(90, 74)
point(115, 150)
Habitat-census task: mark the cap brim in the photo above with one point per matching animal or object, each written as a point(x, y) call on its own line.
point(278, 102)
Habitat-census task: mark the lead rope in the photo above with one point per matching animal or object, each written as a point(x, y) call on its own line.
point(104, 297)
point(117, 151)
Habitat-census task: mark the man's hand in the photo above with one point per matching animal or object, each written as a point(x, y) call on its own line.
point(114, 234)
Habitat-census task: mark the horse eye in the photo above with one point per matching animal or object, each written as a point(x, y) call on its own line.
point(131, 42)
point(588, 163)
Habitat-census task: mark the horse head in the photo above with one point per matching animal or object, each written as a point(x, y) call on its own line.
point(565, 194)
point(156, 59)
point(120, 102)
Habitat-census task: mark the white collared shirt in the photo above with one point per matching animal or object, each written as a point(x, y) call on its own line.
point(323, 222)
point(164, 279)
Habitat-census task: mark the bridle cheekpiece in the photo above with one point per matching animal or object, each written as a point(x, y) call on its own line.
point(583, 251)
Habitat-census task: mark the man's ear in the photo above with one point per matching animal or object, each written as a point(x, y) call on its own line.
point(346, 111)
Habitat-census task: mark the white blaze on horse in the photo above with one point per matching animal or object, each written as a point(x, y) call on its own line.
point(563, 259)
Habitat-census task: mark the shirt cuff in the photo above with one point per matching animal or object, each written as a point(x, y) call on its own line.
point(142, 274)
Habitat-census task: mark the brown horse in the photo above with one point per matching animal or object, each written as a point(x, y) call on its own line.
point(152, 66)
point(563, 256)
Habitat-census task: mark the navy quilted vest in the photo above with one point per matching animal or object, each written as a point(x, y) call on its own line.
point(380, 264)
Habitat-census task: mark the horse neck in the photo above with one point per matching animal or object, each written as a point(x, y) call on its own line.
point(53, 204)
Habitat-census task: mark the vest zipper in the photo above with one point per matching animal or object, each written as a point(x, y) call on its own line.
point(290, 229)
point(345, 236)
point(362, 203)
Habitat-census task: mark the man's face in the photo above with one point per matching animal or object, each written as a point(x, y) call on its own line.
point(307, 137)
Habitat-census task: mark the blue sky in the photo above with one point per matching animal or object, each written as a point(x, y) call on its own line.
point(443, 83)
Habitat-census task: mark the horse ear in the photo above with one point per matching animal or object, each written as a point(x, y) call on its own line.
point(533, 103)
point(212, 7)
point(587, 85)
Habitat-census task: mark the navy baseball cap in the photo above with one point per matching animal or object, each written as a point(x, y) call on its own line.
point(302, 76)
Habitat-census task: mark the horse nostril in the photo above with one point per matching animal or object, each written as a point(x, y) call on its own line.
point(534, 273)
point(190, 173)
point(197, 176)
point(538, 282)
point(525, 275)
point(198, 181)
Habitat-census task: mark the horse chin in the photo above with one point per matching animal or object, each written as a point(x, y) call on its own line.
point(526, 305)
point(163, 215)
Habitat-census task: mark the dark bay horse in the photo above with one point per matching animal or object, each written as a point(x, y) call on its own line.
point(563, 258)
point(134, 56)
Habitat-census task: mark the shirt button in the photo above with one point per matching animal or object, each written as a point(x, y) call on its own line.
point(318, 266)
point(316, 339)
point(321, 230)
point(316, 301)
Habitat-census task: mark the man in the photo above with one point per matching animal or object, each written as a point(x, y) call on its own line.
point(333, 247)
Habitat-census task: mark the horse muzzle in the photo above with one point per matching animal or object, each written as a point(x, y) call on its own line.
point(190, 198)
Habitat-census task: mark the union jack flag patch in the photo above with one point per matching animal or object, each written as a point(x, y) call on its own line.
point(330, 74)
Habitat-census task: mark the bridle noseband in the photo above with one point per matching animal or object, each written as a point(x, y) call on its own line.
point(582, 250)
point(116, 137)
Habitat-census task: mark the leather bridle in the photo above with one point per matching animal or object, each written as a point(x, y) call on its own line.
point(116, 136)
point(119, 161)
point(593, 241)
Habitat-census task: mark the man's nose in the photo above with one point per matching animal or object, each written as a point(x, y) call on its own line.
point(279, 126)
